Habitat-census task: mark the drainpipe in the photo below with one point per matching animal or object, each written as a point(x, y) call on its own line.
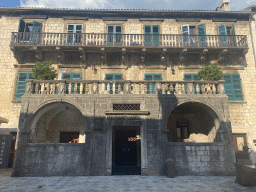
point(253, 48)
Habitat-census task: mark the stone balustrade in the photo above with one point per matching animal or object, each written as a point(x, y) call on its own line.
point(85, 87)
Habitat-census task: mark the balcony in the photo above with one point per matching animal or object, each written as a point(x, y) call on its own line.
point(123, 87)
point(26, 39)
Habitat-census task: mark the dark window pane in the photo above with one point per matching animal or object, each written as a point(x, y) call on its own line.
point(71, 27)
point(79, 27)
point(147, 29)
point(118, 29)
point(155, 29)
point(110, 29)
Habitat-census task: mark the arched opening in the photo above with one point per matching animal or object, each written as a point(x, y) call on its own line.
point(192, 122)
point(58, 123)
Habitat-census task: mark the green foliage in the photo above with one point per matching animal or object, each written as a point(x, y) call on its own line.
point(44, 71)
point(210, 73)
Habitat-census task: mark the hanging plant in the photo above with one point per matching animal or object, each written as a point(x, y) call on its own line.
point(210, 73)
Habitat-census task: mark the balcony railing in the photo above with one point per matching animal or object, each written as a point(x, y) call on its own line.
point(91, 87)
point(128, 40)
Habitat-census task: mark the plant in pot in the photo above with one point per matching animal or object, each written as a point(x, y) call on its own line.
point(210, 73)
point(44, 71)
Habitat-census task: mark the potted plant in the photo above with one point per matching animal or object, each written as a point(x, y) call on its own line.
point(210, 73)
point(44, 71)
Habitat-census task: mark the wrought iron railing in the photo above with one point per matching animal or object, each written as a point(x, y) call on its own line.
point(90, 87)
point(127, 40)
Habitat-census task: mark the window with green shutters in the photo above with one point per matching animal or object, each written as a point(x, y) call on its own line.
point(114, 35)
point(22, 84)
point(71, 76)
point(233, 88)
point(152, 77)
point(192, 39)
point(113, 77)
point(232, 85)
point(152, 37)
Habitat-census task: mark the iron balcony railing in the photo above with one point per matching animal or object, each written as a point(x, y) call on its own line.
point(128, 40)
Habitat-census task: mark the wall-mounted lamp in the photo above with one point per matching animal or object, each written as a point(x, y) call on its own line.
point(173, 70)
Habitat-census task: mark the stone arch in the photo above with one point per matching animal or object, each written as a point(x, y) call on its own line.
point(43, 115)
point(193, 121)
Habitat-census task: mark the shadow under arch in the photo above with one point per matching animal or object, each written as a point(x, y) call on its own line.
point(41, 118)
point(193, 121)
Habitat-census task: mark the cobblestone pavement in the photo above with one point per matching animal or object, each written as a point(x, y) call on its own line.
point(120, 183)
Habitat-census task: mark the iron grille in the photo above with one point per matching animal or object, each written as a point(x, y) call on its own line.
point(132, 107)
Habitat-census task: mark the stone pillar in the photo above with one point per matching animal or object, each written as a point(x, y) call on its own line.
point(190, 87)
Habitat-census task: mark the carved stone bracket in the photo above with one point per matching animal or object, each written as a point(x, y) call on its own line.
point(83, 56)
point(222, 55)
point(143, 55)
point(203, 54)
point(183, 55)
point(103, 56)
point(39, 54)
point(163, 55)
point(61, 55)
point(124, 57)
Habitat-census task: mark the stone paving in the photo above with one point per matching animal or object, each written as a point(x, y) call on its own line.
point(120, 183)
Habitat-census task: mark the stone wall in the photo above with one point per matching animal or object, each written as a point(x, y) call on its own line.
point(55, 160)
point(200, 158)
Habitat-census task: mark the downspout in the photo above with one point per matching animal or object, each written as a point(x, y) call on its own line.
point(253, 48)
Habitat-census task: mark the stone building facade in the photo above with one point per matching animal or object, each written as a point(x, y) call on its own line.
point(127, 96)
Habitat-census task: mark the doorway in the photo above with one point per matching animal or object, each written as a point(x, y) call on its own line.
point(126, 150)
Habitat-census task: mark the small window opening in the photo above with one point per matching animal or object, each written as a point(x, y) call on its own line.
point(69, 137)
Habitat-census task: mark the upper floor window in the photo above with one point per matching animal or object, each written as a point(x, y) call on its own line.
point(76, 36)
point(152, 37)
point(114, 35)
point(35, 28)
point(224, 41)
point(22, 84)
point(193, 40)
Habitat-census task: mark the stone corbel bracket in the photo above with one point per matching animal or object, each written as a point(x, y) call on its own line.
point(143, 55)
point(61, 55)
point(83, 56)
point(103, 56)
point(203, 54)
point(222, 55)
point(17, 54)
point(183, 55)
point(124, 56)
point(163, 55)
point(39, 54)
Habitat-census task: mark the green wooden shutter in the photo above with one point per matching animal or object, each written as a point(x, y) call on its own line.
point(37, 28)
point(185, 33)
point(233, 88)
point(147, 32)
point(71, 76)
point(156, 37)
point(201, 29)
point(21, 26)
point(223, 40)
point(152, 77)
point(22, 84)
point(191, 77)
point(113, 77)
point(233, 29)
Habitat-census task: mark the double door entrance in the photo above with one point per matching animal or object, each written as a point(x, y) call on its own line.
point(126, 151)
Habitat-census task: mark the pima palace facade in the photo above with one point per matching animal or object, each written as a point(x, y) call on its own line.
point(127, 96)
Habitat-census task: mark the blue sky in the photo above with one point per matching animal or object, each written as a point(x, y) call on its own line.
point(129, 4)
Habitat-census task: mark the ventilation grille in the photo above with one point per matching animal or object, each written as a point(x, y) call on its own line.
point(132, 107)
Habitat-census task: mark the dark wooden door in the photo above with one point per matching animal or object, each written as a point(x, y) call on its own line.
point(126, 151)
point(238, 139)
